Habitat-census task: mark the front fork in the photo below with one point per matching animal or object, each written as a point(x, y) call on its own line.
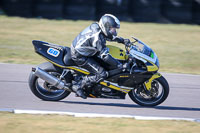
point(147, 84)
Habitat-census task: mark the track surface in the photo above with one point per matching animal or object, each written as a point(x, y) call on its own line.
point(183, 100)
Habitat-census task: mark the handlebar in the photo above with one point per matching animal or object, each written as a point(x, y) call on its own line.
point(131, 43)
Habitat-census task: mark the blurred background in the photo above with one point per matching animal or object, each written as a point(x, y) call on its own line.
point(159, 11)
point(170, 27)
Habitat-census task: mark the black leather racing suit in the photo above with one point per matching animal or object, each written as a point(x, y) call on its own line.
point(89, 43)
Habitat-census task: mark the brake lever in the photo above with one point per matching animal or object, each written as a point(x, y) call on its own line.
point(136, 40)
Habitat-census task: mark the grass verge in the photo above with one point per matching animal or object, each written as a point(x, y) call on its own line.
point(19, 123)
point(177, 46)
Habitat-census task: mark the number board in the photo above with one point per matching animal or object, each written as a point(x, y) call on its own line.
point(53, 52)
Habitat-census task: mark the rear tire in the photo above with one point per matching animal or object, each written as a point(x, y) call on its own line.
point(40, 91)
point(160, 82)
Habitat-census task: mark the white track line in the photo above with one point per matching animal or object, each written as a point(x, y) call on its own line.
point(95, 115)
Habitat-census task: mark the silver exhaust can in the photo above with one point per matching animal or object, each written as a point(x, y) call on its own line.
point(50, 78)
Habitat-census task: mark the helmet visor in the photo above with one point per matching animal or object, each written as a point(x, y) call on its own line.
point(113, 31)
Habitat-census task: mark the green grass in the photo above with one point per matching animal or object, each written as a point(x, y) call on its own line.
point(20, 123)
point(177, 45)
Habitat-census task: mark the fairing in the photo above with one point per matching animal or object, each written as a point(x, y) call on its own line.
point(144, 53)
point(117, 53)
point(51, 52)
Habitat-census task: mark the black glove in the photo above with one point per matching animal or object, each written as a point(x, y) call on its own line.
point(127, 42)
point(122, 40)
point(118, 39)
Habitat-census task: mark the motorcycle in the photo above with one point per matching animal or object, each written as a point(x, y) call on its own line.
point(139, 77)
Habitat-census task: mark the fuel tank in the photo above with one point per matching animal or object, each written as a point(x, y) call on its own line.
point(117, 53)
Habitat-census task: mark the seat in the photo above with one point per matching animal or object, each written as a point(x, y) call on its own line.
point(67, 57)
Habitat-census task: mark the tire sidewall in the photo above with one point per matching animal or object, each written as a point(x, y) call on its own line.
point(165, 85)
point(48, 67)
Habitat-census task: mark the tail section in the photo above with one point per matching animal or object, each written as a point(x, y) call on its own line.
point(51, 52)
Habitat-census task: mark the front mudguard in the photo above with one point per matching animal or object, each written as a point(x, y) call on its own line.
point(147, 84)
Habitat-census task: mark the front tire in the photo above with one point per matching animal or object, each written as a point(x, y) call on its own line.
point(44, 90)
point(160, 92)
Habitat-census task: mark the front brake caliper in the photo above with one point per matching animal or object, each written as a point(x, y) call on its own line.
point(148, 83)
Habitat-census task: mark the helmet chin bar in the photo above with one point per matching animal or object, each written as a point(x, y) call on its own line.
point(109, 25)
point(113, 31)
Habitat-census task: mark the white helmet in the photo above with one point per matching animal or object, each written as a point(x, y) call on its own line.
point(109, 25)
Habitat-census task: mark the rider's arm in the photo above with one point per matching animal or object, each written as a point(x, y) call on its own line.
point(103, 53)
point(107, 58)
point(120, 40)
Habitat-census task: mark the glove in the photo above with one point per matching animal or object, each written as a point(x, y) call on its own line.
point(118, 39)
point(127, 42)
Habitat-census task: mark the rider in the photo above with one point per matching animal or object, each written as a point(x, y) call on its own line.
point(91, 42)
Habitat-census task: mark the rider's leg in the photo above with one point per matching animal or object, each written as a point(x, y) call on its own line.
point(97, 74)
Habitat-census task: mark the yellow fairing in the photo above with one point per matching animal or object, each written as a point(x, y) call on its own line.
point(148, 83)
point(151, 67)
point(117, 53)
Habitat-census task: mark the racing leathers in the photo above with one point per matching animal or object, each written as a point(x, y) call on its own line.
point(91, 42)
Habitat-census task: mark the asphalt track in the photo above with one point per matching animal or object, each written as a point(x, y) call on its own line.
point(183, 100)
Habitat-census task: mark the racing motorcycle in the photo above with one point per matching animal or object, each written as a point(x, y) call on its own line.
point(139, 77)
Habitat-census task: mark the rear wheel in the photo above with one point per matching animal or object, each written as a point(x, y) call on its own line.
point(44, 90)
point(157, 94)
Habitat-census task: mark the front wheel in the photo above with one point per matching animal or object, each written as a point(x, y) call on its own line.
point(157, 94)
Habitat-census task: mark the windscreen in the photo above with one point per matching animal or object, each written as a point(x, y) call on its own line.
point(143, 52)
point(142, 48)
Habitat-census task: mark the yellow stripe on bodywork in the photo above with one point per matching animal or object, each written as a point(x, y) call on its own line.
point(69, 67)
point(148, 83)
point(79, 70)
point(115, 87)
point(92, 96)
point(53, 62)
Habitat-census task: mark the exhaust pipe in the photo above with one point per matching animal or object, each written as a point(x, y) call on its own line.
point(50, 79)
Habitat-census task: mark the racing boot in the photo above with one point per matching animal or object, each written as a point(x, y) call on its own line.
point(86, 81)
point(77, 88)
